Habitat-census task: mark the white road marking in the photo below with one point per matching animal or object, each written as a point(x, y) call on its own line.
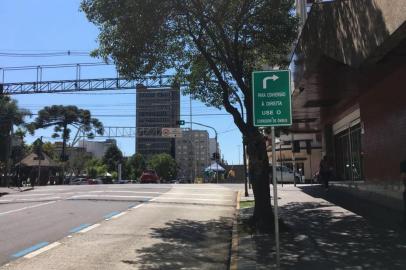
point(138, 206)
point(146, 197)
point(44, 198)
point(118, 215)
point(41, 250)
point(89, 228)
point(191, 199)
point(25, 208)
point(108, 196)
point(152, 192)
point(49, 189)
point(29, 195)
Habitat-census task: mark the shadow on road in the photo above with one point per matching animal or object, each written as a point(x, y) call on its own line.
point(188, 244)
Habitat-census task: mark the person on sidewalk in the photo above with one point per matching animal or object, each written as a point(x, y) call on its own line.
point(325, 171)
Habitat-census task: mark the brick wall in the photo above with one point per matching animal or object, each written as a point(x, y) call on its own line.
point(383, 112)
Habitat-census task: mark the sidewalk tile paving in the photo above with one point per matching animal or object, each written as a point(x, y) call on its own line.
point(322, 235)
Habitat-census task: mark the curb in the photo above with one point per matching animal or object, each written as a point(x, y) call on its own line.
point(235, 237)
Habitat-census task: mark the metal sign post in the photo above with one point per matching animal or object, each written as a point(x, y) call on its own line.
point(272, 106)
point(275, 199)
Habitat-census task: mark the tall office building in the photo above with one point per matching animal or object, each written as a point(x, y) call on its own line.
point(192, 154)
point(156, 109)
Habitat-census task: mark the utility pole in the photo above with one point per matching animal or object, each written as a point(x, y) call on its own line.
point(38, 151)
point(215, 132)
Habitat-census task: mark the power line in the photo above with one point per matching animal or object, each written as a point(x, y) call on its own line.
point(46, 54)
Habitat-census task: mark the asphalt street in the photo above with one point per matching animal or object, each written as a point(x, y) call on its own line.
point(44, 215)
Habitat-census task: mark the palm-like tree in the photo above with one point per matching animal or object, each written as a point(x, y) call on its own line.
point(63, 118)
point(10, 115)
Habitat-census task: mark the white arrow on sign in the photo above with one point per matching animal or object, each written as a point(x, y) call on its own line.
point(273, 78)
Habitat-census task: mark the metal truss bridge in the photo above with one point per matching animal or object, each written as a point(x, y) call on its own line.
point(131, 132)
point(78, 84)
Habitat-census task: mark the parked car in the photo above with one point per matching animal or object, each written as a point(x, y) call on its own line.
point(78, 181)
point(286, 175)
point(122, 181)
point(149, 176)
point(94, 181)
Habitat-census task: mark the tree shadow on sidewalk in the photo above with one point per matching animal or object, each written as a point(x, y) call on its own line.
point(378, 215)
point(325, 237)
point(188, 244)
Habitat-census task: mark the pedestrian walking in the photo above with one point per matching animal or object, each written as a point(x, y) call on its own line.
point(325, 171)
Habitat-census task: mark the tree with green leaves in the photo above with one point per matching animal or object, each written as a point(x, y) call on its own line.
point(95, 168)
point(213, 46)
point(112, 158)
point(10, 115)
point(135, 166)
point(164, 165)
point(63, 118)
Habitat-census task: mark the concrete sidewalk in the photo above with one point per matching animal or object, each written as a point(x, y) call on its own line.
point(322, 235)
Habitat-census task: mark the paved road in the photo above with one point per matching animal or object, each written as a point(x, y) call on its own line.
point(47, 214)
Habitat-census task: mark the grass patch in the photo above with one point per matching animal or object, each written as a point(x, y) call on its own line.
point(247, 204)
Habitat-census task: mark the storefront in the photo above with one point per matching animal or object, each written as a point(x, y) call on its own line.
point(347, 147)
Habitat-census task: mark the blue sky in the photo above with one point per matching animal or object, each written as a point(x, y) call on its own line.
point(39, 26)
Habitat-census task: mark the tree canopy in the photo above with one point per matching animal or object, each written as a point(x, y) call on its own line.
point(213, 46)
point(112, 158)
point(135, 166)
point(65, 117)
point(10, 115)
point(164, 165)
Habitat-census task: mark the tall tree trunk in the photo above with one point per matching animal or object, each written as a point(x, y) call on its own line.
point(63, 158)
point(259, 177)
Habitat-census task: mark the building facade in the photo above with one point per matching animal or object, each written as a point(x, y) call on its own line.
point(156, 109)
point(214, 147)
point(349, 87)
point(97, 148)
point(192, 154)
point(300, 151)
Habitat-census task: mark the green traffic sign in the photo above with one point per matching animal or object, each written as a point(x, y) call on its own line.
point(181, 122)
point(272, 105)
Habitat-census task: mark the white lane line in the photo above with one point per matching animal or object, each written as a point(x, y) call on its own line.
point(41, 250)
point(118, 215)
point(124, 191)
point(29, 195)
point(45, 198)
point(138, 206)
point(109, 196)
point(89, 228)
point(25, 208)
point(48, 190)
point(5, 201)
point(190, 199)
point(146, 197)
point(151, 192)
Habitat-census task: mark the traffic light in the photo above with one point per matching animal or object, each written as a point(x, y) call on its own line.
point(180, 122)
point(216, 156)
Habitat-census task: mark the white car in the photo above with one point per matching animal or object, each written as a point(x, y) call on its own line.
point(286, 175)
